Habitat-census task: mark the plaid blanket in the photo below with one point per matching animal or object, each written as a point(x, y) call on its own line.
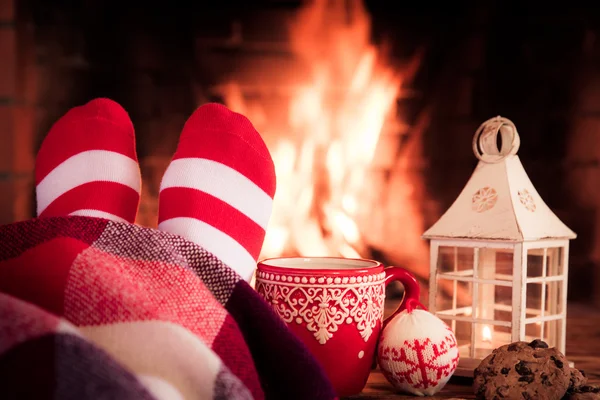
point(94, 309)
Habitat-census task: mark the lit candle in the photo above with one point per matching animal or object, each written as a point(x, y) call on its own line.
point(486, 338)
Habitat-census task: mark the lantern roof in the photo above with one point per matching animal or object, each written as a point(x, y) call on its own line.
point(499, 202)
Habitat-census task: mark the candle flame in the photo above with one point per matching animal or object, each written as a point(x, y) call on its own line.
point(486, 334)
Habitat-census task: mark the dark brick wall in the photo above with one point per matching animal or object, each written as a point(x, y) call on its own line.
point(536, 65)
point(18, 90)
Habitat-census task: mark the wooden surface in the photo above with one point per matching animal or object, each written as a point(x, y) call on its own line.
point(583, 348)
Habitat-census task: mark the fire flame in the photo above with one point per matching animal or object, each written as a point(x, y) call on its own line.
point(335, 122)
point(338, 118)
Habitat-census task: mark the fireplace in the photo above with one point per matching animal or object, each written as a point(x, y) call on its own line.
point(368, 110)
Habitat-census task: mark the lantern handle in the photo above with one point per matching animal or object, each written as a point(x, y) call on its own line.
point(485, 141)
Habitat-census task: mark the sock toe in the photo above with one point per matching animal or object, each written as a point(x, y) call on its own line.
point(101, 124)
point(216, 133)
point(102, 108)
point(87, 164)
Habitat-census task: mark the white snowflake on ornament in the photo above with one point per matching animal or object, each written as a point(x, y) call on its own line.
point(417, 352)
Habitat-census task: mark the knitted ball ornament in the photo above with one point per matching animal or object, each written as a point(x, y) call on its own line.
point(417, 352)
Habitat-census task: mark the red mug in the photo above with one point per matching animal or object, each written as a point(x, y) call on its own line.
point(335, 306)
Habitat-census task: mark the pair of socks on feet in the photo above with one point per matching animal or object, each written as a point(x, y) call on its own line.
point(217, 192)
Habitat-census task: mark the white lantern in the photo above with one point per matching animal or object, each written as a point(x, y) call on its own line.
point(499, 256)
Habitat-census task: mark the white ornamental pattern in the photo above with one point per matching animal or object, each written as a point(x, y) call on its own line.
point(527, 200)
point(484, 199)
point(325, 304)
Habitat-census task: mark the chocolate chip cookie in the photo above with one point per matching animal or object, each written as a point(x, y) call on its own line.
point(578, 379)
point(585, 392)
point(522, 370)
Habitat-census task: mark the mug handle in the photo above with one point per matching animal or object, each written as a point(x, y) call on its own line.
point(412, 290)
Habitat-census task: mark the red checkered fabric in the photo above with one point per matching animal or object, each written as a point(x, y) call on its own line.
point(93, 308)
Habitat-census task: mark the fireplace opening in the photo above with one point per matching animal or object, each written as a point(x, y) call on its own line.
point(368, 108)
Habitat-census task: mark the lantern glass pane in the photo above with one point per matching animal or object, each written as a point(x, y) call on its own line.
point(495, 264)
point(492, 302)
point(455, 260)
point(545, 284)
point(554, 299)
point(533, 330)
point(534, 301)
point(555, 261)
point(552, 332)
point(453, 297)
point(553, 265)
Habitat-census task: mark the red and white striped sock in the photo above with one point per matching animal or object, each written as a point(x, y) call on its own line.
point(87, 165)
point(218, 190)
